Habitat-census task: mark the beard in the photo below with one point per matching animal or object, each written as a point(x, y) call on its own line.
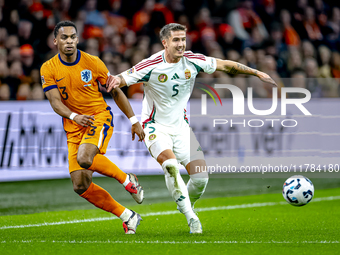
point(69, 54)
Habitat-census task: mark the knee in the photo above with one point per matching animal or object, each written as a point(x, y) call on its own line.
point(170, 166)
point(80, 188)
point(84, 162)
point(200, 179)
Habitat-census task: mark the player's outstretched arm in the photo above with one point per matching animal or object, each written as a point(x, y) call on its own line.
point(232, 67)
point(115, 82)
point(55, 101)
point(124, 105)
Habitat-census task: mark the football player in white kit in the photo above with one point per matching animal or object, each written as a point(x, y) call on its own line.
point(169, 77)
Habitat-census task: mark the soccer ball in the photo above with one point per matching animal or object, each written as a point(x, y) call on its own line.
point(298, 190)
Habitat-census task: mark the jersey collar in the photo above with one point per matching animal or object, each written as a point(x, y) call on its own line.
point(163, 57)
point(164, 60)
point(73, 63)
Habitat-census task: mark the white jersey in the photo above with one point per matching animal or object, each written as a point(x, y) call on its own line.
point(168, 86)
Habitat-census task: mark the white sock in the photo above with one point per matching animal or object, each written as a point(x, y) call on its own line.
point(127, 180)
point(125, 216)
point(177, 188)
point(196, 186)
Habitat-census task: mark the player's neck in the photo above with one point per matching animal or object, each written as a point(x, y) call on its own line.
point(69, 59)
point(171, 59)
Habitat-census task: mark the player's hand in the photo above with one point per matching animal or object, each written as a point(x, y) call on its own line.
point(266, 78)
point(84, 120)
point(137, 129)
point(112, 83)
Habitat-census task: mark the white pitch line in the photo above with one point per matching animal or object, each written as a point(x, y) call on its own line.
point(172, 242)
point(229, 207)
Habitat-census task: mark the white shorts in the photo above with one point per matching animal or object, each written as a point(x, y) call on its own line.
point(183, 143)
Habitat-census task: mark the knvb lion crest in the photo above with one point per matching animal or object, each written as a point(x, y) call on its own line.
point(86, 75)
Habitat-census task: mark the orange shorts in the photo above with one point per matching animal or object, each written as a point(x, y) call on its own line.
point(98, 134)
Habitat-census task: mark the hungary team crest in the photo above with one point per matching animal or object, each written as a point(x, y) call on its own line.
point(187, 74)
point(162, 77)
point(86, 75)
point(152, 137)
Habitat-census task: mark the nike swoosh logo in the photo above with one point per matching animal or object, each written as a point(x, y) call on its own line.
point(88, 138)
point(60, 79)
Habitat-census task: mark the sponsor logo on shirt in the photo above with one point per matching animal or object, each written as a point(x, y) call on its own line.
point(43, 80)
point(175, 77)
point(187, 74)
point(162, 77)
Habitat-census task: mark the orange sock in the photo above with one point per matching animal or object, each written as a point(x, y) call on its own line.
point(103, 165)
point(102, 199)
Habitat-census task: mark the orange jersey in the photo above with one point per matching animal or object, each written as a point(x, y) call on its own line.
point(77, 83)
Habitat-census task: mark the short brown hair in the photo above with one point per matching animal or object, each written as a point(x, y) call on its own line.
point(165, 32)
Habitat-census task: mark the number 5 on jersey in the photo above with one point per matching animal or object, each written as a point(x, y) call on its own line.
point(174, 89)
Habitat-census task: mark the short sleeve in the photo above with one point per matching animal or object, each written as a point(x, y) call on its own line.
point(47, 78)
point(201, 62)
point(102, 72)
point(142, 71)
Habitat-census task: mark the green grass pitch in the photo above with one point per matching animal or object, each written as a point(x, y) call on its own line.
point(239, 216)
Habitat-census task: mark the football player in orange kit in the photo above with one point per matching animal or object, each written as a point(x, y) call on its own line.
point(70, 81)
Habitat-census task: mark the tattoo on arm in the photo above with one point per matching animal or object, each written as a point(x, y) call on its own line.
point(244, 69)
point(122, 81)
point(114, 94)
point(240, 69)
point(233, 70)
